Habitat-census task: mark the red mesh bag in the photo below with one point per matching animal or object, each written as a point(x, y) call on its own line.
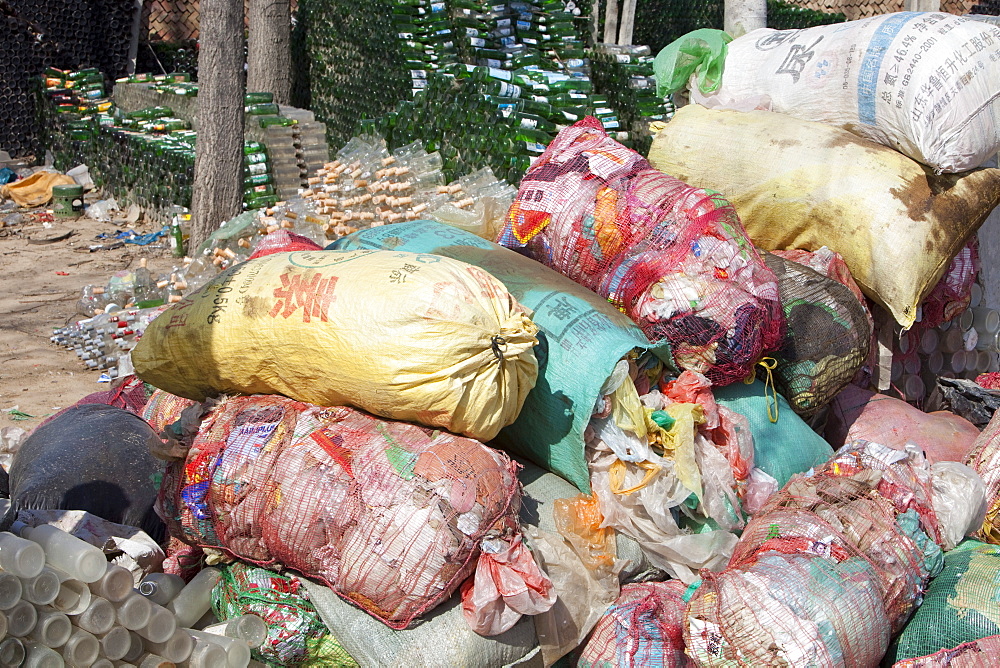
point(675, 259)
point(989, 380)
point(282, 241)
point(390, 515)
point(789, 610)
point(644, 627)
point(128, 393)
point(831, 566)
point(163, 409)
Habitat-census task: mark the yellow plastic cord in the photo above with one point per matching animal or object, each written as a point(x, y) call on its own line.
point(616, 476)
point(769, 364)
point(990, 531)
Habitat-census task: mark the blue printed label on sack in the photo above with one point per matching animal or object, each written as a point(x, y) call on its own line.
point(871, 63)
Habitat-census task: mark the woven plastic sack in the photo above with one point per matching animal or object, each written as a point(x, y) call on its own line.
point(794, 183)
point(984, 459)
point(921, 83)
point(283, 241)
point(962, 604)
point(857, 413)
point(581, 339)
point(972, 654)
point(164, 409)
point(407, 336)
point(673, 257)
point(296, 636)
point(389, 514)
point(828, 337)
point(781, 448)
point(644, 627)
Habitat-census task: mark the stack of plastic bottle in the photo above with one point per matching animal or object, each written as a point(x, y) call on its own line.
point(368, 186)
point(63, 604)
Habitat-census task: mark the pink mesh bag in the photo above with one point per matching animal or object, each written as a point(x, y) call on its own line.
point(390, 515)
point(675, 259)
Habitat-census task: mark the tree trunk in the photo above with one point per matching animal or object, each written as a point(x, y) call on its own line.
point(269, 49)
point(218, 164)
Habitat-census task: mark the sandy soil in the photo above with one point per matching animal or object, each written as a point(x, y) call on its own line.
point(37, 376)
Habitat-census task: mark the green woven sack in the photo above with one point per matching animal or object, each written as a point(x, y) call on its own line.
point(962, 603)
point(581, 338)
point(296, 636)
point(780, 449)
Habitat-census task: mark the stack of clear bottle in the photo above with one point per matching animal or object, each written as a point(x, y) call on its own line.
point(103, 342)
point(367, 186)
point(63, 604)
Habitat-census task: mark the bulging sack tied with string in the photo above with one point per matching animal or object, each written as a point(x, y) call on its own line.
point(408, 336)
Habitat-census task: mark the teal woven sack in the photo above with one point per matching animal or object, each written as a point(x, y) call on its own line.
point(581, 338)
point(780, 449)
point(962, 604)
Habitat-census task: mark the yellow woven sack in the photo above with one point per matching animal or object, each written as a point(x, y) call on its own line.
point(801, 184)
point(408, 336)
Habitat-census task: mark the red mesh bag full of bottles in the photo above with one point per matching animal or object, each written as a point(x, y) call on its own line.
point(827, 571)
point(674, 258)
point(390, 515)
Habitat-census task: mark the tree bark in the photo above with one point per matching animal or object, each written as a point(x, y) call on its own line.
point(269, 49)
point(218, 163)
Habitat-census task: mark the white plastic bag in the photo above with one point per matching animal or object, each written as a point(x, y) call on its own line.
point(959, 498)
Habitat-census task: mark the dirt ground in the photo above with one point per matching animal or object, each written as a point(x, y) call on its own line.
point(42, 279)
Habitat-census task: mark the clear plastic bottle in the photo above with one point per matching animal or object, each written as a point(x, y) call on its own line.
point(114, 585)
point(73, 597)
point(237, 650)
point(20, 557)
point(136, 650)
point(250, 628)
point(177, 648)
point(98, 618)
point(206, 655)
point(161, 588)
point(161, 625)
point(133, 613)
point(196, 598)
point(38, 655)
point(41, 589)
point(115, 643)
point(10, 590)
point(81, 650)
point(53, 628)
point(11, 652)
point(68, 553)
point(155, 661)
point(21, 619)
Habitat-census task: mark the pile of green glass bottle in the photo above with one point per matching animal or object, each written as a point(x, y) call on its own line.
point(625, 75)
point(493, 82)
point(145, 156)
point(353, 61)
